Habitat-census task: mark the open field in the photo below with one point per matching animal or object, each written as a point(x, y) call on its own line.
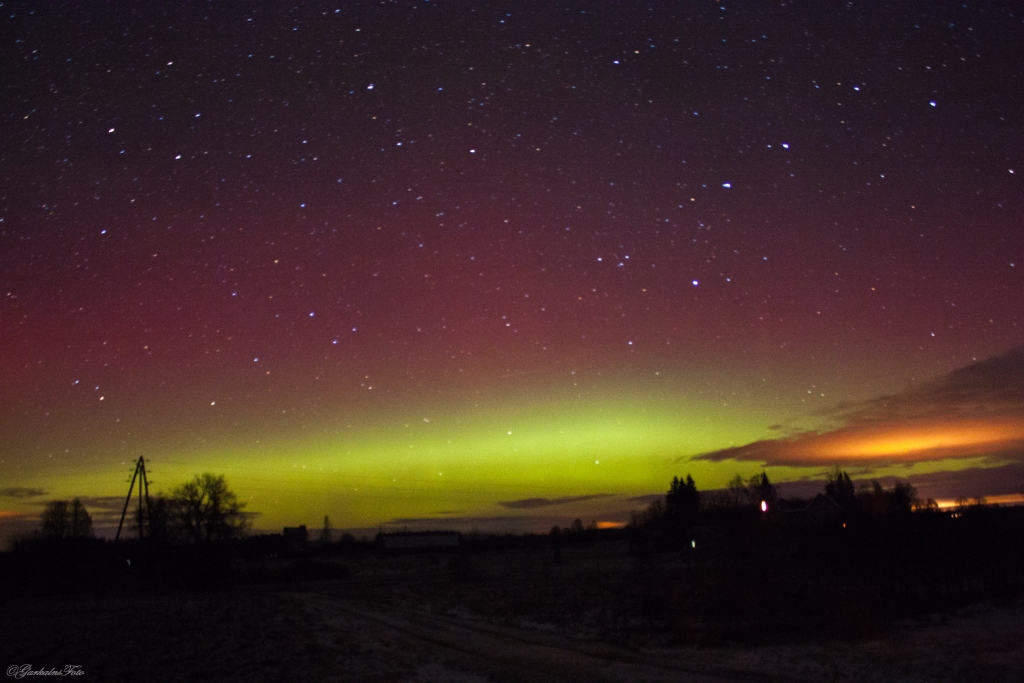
point(501, 615)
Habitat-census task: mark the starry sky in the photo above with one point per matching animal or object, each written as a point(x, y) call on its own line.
point(498, 265)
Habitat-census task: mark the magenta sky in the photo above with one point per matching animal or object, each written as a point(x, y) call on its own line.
point(234, 224)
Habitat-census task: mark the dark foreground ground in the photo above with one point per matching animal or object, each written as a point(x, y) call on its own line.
point(510, 614)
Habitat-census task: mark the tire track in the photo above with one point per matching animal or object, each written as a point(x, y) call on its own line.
point(512, 655)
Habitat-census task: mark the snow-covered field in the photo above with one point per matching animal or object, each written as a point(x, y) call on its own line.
point(414, 619)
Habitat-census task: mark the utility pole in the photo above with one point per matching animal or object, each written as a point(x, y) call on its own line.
point(140, 474)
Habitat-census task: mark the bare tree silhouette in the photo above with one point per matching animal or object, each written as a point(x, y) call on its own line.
point(206, 510)
point(737, 492)
point(66, 520)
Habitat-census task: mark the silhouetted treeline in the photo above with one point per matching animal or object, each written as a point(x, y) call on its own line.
point(39, 565)
point(183, 539)
point(740, 563)
point(754, 577)
point(844, 563)
point(669, 520)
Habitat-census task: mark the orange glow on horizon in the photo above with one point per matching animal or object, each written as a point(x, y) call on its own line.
point(928, 440)
point(920, 440)
point(1007, 499)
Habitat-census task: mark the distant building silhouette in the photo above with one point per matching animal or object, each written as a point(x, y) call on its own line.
point(296, 535)
point(825, 509)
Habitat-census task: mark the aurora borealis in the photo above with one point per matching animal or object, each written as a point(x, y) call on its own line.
point(496, 264)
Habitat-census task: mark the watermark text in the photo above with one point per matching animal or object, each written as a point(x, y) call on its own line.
point(25, 670)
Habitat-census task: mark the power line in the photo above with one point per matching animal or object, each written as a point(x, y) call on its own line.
point(140, 474)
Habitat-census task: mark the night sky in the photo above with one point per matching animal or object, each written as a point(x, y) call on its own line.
point(500, 265)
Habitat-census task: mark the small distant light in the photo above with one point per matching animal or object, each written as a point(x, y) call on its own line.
point(727, 185)
point(764, 506)
point(370, 87)
point(111, 130)
point(311, 314)
point(693, 544)
point(933, 103)
point(785, 145)
point(695, 283)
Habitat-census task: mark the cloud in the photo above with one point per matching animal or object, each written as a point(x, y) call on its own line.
point(433, 522)
point(990, 387)
point(971, 482)
point(649, 498)
point(531, 503)
point(21, 492)
point(976, 411)
point(106, 510)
